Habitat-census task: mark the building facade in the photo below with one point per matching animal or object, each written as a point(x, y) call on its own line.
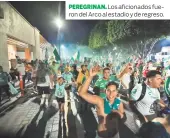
point(46, 49)
point(17, 37)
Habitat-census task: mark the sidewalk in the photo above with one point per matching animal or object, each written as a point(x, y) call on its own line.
point(6, 103)
point(28, 120)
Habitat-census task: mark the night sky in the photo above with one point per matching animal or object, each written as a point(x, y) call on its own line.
point(43, 14)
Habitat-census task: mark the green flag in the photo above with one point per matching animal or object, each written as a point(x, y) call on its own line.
point(55, 52)
point(72, 60)
point(76, 56)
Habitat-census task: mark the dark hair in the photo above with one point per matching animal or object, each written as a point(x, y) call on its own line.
point(112, 83)
point(133, 73)
point(152, 73)
point(112, 125)
point(74, 66)
point(158, 68)
point(107, 65)
point(106, 69)
point(83, 66)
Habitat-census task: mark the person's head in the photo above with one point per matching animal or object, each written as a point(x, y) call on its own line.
point(74, 67)
point(112, 125)
point(60, 80)
point(108, 65)
point(111, 90)
point(1, 69)
point(159, 68)
point(135, 73)
point(106, 73)
point(154, 79)
point(53, 63)
point(83, 67)
point(130, 70)
point(112, 118)
point(66, 70)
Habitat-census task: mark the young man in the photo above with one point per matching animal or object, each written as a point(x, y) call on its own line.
point(146, 105)
point(100, 85)
point(104, 106)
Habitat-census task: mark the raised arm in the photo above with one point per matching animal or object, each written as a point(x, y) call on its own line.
point(93, 99)
point(123, 70)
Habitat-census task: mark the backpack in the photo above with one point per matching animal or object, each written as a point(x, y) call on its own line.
point(41, 73)
point(143, 92)
point(41, 79)
point(133, 107)
point(132, 103)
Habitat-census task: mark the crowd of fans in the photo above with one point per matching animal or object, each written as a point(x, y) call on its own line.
point(142, 86)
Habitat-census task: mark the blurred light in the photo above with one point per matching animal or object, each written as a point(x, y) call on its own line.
point(59, 23)
point(114, 48)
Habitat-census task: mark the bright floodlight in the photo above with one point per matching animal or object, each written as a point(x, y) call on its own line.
point(114, 48)
point(59, 23)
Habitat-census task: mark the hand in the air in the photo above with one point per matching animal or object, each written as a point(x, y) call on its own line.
point(94, 71)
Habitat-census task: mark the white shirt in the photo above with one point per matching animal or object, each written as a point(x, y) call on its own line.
point(68, 77)
point(47, 83)
point(126, 80)
point(145, 106)
point(21, 68)
point(60, 90)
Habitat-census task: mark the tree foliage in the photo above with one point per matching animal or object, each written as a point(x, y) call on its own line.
point(98, 35)
point(139, 37)
point(118, 29)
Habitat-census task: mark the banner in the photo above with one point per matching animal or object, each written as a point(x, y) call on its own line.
point(76, 56)
point(55, 52)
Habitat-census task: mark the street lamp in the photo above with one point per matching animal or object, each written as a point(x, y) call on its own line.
point(114, 48)
point(59, 24)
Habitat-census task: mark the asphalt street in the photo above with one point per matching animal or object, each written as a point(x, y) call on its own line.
point(25, 119)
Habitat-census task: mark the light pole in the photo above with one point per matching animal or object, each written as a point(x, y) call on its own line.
point(59, 25)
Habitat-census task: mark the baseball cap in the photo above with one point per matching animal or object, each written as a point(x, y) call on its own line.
point(59, 76)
